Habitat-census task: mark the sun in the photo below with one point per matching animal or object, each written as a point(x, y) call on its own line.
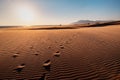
point(26, 14)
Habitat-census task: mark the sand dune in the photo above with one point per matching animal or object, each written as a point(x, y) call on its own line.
point(82, 54)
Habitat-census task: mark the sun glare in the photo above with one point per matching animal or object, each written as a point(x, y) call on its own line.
point(26, 14)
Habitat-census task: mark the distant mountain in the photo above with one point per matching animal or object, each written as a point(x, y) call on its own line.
point(90, 21)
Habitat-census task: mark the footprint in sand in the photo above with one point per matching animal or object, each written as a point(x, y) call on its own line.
point(61, 46)
point(47, 65)
point(15, 55)
point(49, 47)
point(31, 47)
point(57, 54)
point(20, 67)
point(36, 53)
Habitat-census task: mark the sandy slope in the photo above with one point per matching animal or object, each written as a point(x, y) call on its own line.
point(85, 53)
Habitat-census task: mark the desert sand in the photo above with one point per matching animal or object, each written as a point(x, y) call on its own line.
point(91, 53)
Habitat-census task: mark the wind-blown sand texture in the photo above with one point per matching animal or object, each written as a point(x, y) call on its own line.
point(69, 54)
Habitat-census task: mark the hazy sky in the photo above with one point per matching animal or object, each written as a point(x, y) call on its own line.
point(43, 12)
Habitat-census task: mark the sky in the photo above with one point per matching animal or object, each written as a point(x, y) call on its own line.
point(52, 12)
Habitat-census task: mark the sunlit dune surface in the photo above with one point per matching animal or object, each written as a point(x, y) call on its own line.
point(90, 53)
